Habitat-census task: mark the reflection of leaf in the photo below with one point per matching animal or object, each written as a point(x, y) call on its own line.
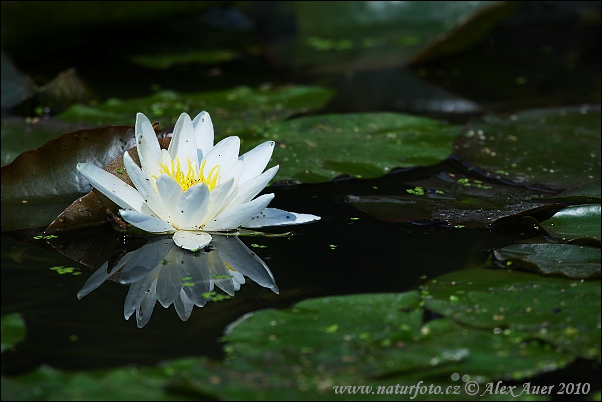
point(238, 111)
point(451, 199)
point(563, 312)
point(553, 259)
point(575, 223)
point(319, 148)
point(557, 148)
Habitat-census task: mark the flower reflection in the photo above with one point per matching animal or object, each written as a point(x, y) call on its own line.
point(162, 272)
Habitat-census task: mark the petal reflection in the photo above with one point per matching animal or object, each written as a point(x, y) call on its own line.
point(162, 272)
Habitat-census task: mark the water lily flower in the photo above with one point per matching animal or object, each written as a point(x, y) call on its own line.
point(161, 272)
point(194, 187)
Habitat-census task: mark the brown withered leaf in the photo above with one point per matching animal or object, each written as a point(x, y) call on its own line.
point(91, 209)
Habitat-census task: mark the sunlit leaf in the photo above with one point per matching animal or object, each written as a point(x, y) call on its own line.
point(556, 148)
point(552, 259)
point(565, 313)
point(575, 223)
point(365, 145)
point(383, 342)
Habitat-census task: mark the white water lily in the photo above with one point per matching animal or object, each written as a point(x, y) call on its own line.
point(193, 187)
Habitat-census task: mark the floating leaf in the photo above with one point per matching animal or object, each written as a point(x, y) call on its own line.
point(50, 169)
point(318, 148)
point(13, 330)
point(48, 173)
point(556, 148)
point(329, 37)
point(383, 342)
point(453, 200)
point(20, 135)
point(582, 194)
point(575, 223)
point(239, 111)
point(552, 259)
point(564, 312)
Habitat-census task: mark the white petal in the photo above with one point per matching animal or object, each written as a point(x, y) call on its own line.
point(233, 171)
point(115, 189)
point(192, 206)
point(147, 145)
point(278, 217)
point(203, 129)
point(146, 222)
point(233, 217)
point(224, 153)
point(256, 160)
point(170, 192)
point(217, 198)
point(246, 191)
point(183, 143)
point(145, 187)
point(192, 241)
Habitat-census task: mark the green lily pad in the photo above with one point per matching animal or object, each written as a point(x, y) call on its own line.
point(565, 313)
point(318, 148)
point(454, 200)
point(553, 259)
point(331, 37)
point(555, 148)
point(239, 111)
point(579, 195)
point(575, 223)
point(13, 330)
point(316, 346)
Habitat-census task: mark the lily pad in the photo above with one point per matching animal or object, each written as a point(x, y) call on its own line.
point(239, 111)
point(581, 194)
point(553, 259)
point(329, 37)
point(575, 223)
point(50, 169)
point(13, 330)
point(318, 148)
point(20, 135)
point(555, 148)
point(309, 351)
point(565, 313)
point(452, 199)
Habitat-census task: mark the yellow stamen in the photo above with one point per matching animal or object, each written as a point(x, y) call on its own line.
point(192, 176)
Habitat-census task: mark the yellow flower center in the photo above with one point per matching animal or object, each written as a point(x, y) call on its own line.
point(191, 176)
